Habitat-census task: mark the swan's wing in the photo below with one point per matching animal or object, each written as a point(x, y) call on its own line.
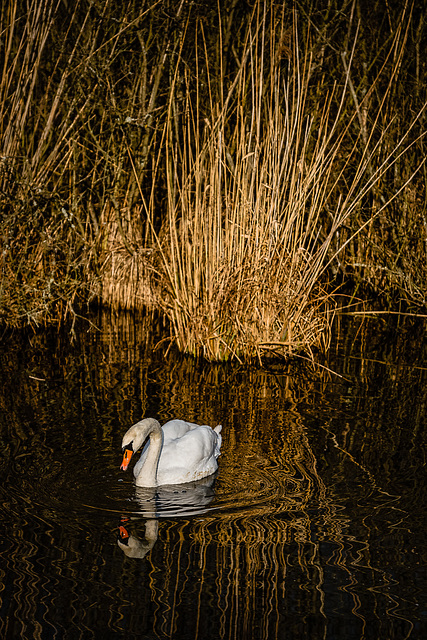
point(173, 432)
point(217, 430)
point(175, 429)
point(190, 456)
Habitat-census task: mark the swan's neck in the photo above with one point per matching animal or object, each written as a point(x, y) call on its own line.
point(147, 477)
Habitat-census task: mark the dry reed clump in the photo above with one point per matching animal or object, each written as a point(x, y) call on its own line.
point(253, 311)
point(262, 198)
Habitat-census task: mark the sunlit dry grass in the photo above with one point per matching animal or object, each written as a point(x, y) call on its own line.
point(227, 172)
point(248, 244)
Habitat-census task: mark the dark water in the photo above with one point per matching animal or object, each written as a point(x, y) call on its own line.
point(313, 528)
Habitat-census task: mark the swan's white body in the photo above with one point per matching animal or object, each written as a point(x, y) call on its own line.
point(178, 452)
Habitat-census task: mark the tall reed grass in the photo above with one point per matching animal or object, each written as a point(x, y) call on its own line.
point(70, 111)
point(228, 166)
point(258, 193)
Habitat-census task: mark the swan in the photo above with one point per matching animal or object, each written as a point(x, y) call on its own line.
point(176, 453)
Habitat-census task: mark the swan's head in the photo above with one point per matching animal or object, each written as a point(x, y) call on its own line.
point(135, 437)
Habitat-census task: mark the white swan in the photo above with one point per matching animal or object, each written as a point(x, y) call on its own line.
point(178, 452)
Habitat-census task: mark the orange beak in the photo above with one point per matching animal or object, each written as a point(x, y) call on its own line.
point(123, 532)
point(126, 459)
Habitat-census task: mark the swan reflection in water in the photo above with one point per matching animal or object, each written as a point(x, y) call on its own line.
point(192, 498)
point(134, 547)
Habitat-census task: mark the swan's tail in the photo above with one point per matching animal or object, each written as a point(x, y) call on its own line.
point(218, 440)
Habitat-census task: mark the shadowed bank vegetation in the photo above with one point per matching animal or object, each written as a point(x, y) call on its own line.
point(229, 165)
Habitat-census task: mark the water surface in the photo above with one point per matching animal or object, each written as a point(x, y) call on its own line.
point(312, 528)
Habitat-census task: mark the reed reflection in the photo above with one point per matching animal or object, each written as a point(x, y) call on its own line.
point(235, 565)
point(314, 528)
